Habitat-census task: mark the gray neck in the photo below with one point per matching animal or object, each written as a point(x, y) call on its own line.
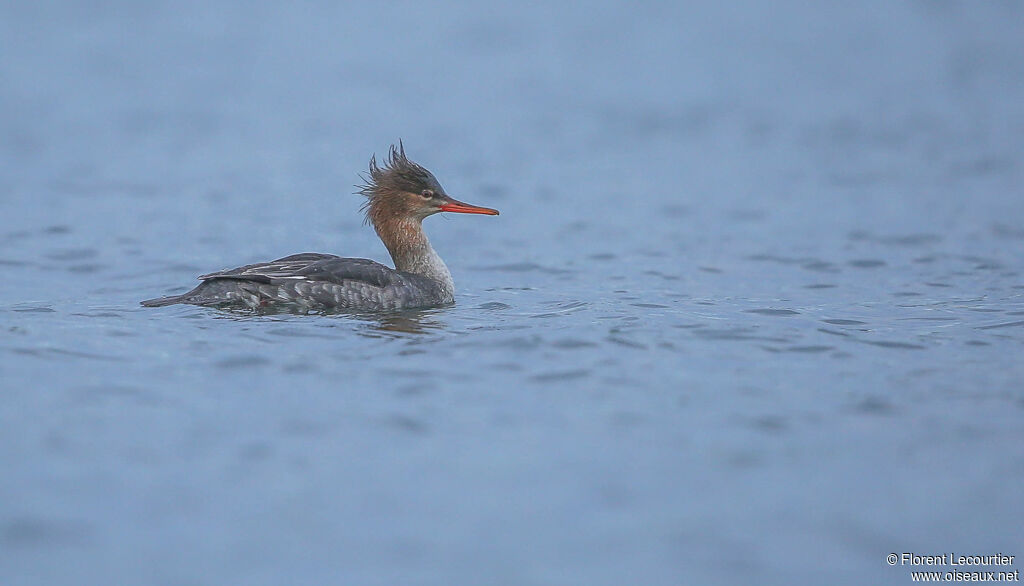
point(411, 250)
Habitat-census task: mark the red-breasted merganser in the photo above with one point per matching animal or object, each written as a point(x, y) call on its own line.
point(399, 195)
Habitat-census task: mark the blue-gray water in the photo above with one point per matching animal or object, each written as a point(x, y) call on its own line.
point(753, 311)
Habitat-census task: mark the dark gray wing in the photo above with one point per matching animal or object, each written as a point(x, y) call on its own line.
point(338, 270)
point(263, 272)
point(311, 266)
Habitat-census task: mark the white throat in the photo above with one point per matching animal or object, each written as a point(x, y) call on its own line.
point(428, 263)
point(412, 253)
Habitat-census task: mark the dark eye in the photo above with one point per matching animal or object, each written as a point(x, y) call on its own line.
point(427, 193)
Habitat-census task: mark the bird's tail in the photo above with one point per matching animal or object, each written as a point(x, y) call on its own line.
point(162, 301)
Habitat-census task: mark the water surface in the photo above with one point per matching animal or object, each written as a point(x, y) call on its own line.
point(753, 310)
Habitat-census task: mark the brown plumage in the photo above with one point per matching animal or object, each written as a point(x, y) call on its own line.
point(387, 189)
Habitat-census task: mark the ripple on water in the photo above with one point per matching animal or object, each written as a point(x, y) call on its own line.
point(662, 275)
point(1008, 324)
point(494, 306)
point(772, 311)
point(297, 332)
point(94, 394)
point(895, 345)
point(626, 342)
point(770, 424)
point(300, 367)
point(12, 263)
point(561, 309)
point(809, 349)
point(522, 267)
point(407, 424)
point(820, 266)
point(867, 263)
point(519, 342)
point(71, 254)
point(1002, 230)
point(100, 314)
point(243, 361)
point(62, 354)
point(737, 334)
point(807, 263)
point(844, 322)
point(911, 240)
point(572, 343)
point(560, 375)
point(24, 532)
point(41, 308)
point(874, 405)
point(675, 210)
point(927, 318)
point(86, 268)
point(919, 239)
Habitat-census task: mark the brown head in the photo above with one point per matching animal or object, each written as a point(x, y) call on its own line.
point(402, 190)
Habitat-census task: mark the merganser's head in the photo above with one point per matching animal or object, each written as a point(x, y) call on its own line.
point(401, 189)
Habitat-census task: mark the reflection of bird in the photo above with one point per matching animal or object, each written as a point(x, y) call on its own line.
point(399, 196)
